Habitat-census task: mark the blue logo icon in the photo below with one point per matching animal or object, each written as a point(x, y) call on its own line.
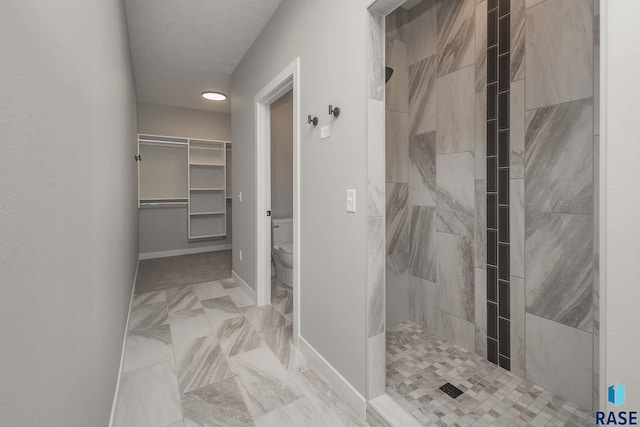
point(616, 394)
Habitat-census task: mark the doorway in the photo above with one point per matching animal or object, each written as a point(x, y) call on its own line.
point(286, 83)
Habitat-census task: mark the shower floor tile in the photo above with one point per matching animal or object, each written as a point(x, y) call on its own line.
point(419, 363)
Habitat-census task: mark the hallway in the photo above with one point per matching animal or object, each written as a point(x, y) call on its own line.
point(202, 355)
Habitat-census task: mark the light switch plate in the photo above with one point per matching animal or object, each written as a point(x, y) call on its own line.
point(351, 201)
point(325, 132)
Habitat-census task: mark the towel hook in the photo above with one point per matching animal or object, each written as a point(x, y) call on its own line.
point(335, 112)
point(313, 121)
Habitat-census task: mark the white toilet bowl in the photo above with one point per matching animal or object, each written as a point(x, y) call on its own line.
point(282, 249)
point(283, 258)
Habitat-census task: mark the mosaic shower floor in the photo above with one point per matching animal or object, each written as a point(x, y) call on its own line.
point(419, 362)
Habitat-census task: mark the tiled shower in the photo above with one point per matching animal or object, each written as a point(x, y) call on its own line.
point(491, 137)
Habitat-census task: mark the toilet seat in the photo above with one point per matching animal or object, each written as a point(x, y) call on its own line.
point(287, 248)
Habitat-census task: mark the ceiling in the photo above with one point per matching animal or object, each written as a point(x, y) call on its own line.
point(181, 48)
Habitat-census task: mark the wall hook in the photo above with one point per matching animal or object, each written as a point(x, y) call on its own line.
point(138, 158)
point(334, 111)
point(313, 120)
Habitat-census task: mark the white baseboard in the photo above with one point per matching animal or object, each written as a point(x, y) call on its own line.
point(188, 251)
point(245, 287)
point(124, 344)
point(344, 389)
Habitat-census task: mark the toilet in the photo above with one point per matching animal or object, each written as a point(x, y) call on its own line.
point(282, 249)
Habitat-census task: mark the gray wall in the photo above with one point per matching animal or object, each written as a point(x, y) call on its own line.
point(333, 71)
point(68, 235)
point(620, 44)
point(282, 157)
point(165, 229)
point(185, 122)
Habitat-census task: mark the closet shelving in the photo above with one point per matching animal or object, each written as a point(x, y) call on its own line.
point(207, 189)
point(186, 173)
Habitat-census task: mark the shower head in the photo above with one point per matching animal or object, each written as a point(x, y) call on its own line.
point(388, 72)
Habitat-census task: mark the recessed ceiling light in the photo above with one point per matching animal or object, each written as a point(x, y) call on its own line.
point(214, 96)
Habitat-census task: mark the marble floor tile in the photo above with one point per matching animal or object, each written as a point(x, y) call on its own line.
point(422, 169)
point(145, 347)
point(420, 31)
point(281, 297)
point(301, 412)
point(182, 298)
point(422, 96)
point(315, 386)
point(397, 89)
point(455, 114)
point(264, 383)
point(185, 314)
point(419, 362)
point(221, 308)
point(422, 303)
point(200, 362)
point(559, 358)
point(218, 404)
point(209, 290)
point(150, 297)
point(396, 146)
point(239, 297)
point(229, 283)
point(149, 397)
point(264, 318)
point(191, 327)
point(236, 336)
point(456, 192)
point(456, 35)
point(481, 45)
point(148, 316)
point(559, 267)
point(422, 243)
point(397, 218)
point(558, 52)
point(456, 276)
point(559, 158)
point(279, 341)
point(456, 330)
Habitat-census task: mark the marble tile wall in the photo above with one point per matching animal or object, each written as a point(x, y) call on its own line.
point(381, 127)
point(435, 168)
point(553, 122)
point(432, 140)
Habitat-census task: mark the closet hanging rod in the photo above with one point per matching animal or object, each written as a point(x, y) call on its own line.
point(161, 143)
point(207, 148)
point(163, 204)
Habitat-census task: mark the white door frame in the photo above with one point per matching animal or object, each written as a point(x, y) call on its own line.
point(288, 79)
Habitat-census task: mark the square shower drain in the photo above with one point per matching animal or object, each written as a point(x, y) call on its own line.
point(451, 390)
